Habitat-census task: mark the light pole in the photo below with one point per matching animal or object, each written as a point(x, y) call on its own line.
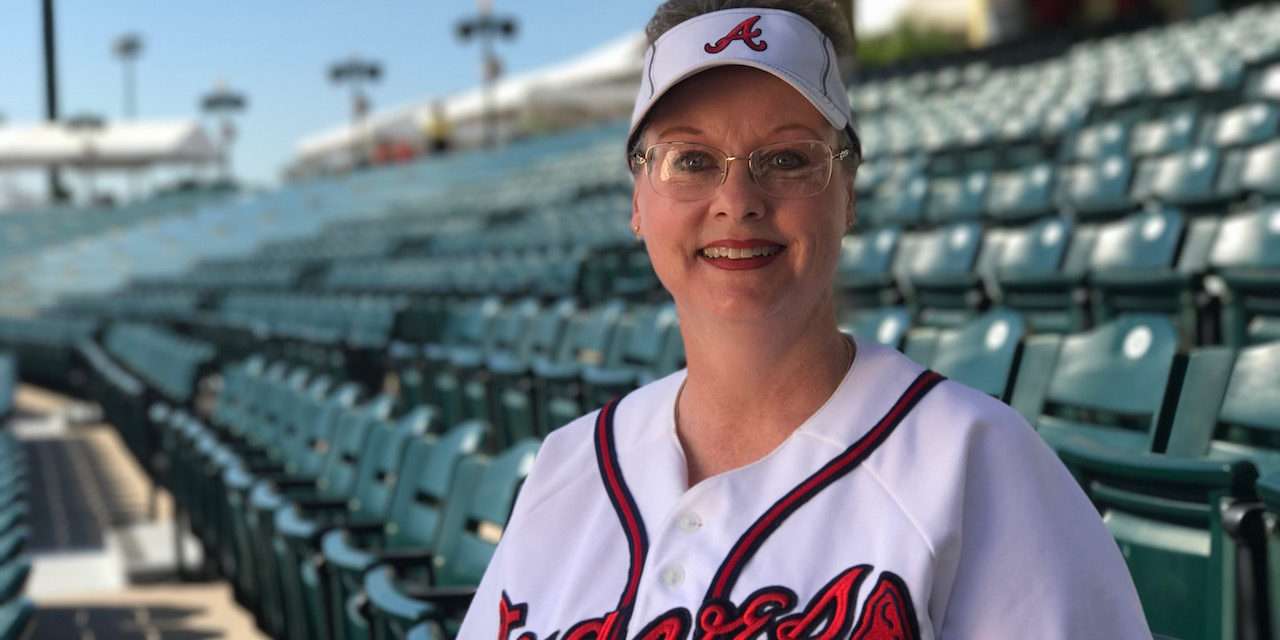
point(488, 27)
point(223, 103)
point(127, 48)
point(356, 72)
point(87, 126)
point(57, 192)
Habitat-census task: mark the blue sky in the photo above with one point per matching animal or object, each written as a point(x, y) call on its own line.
point(277, 51)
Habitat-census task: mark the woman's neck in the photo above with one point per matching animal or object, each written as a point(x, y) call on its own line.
point(749, 387)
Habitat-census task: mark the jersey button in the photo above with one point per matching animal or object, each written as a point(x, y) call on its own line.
point(673, 576)
point(689, 522)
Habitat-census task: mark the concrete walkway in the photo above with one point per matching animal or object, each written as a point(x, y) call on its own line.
point(102, 566)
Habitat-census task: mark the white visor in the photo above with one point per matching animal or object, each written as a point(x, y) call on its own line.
point(779, 42)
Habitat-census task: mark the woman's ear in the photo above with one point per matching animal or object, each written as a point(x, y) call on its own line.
point(635, 213)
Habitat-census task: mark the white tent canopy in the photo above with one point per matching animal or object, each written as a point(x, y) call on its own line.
point(122, 144)
point(605, 78)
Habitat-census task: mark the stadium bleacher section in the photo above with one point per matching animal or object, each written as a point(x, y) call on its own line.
point(16, 611)
point(343, 383)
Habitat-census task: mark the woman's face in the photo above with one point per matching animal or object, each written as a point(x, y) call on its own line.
point(738, 110)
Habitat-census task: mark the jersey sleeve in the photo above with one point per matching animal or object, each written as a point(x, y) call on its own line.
point(1033, 558)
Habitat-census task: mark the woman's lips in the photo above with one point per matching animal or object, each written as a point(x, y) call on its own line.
point(738, 255)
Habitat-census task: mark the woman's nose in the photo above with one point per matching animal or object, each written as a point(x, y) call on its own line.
point(739, 197)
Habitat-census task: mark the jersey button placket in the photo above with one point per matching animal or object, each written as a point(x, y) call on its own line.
point(689, 522)
point(673, 576)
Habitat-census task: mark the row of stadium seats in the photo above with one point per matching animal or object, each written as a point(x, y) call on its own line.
point(1196, 432)
point(16, 611)
point(1220, 278)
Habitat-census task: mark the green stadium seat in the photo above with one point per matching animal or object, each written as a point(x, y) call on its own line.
point(956, 199)
point(592, 339)
point(981, 353)
point(1021, 195)
point(438, 586)
point(1253, 171)
point(1247, 124)
point(1245, 259)
point(1188, 520)
point(944, 288)
point(652, 348)
point(1098, 189)
point(1171, 133)
point(1079, 388)
point(884, 325)
point(897, 203)
point(1097, 141)
point(356, 486)
point(414, 517)
point(1038, 272)
point(1150, 262)
point(864, 276)
point(1185, 178)
point(15, 618)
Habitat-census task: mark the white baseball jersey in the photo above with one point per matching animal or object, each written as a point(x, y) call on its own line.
point(906, 507)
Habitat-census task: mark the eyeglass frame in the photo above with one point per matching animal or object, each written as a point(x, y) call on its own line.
point(640, 159)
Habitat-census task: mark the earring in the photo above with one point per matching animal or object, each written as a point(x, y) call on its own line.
point(635, 229)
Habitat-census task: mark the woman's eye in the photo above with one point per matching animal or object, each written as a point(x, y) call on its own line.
point(786, 161)
point(692, 161)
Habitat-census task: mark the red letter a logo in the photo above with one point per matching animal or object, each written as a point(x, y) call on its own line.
point(746, 31)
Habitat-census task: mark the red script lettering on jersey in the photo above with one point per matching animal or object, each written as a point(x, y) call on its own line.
point(746, 31)
point(887, 614)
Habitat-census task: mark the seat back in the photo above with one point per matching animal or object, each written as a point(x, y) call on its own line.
point(1098, 188)
point(1246, 257)
point(958, 198)
point(429, 476)
point(467, 547)
point(345, 457)
point(381, 462)
point(1081, 387)
point(983, 352)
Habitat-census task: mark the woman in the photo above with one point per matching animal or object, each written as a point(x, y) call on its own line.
point(790, 483)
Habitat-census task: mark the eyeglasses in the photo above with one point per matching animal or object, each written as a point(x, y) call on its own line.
point(691, 171)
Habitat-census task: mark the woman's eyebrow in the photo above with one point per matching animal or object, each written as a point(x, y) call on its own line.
point(797, 127)
point(680, 129)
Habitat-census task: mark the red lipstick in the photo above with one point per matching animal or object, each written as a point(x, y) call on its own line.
point(737, 255)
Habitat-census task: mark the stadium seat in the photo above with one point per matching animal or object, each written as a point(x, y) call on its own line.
point(1188, 520)
point(982, 353)
point(651, 348)
point(885, 325)
point(1185, 178)
point(438, 586)
point(1172, 133)
point(356, 486)
point(897, 204)
point(556, 390)
point(1099, 188)
point(1245, 125)
point(864, 276)
point(1245, 259)
point(957, 199)
point(945, 289)
point(1021, 195)
point(1078, 388)
point(412, 521)
point(1101, 140)
point(1251, 172)
point(1038, 273)
point(15, 618)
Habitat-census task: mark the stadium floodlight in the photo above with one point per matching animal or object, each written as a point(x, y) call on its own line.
point(224, 103)
point(356, 72)
point(127, 48)
point(488, 27)
point(87, 126)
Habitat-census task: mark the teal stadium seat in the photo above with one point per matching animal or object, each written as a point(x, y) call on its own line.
point(957, 199)
point(982, 353)
point(1080, 388)
point(1245, 260)
point(1098, 188)
point(410, 589)
point(1038, 271)
point(945, 289)
point(1022, 194)
point(864, 276)
point(1188, 519)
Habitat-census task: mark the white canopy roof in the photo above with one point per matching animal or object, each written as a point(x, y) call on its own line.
point(116, 144)
point(612, 70)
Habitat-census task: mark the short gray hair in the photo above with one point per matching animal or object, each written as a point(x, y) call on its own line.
point(824, 14)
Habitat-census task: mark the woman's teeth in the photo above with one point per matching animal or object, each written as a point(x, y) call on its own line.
point(739, 254)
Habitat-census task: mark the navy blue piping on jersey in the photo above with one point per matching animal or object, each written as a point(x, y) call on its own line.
point(746, 547)
point(625, 506)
